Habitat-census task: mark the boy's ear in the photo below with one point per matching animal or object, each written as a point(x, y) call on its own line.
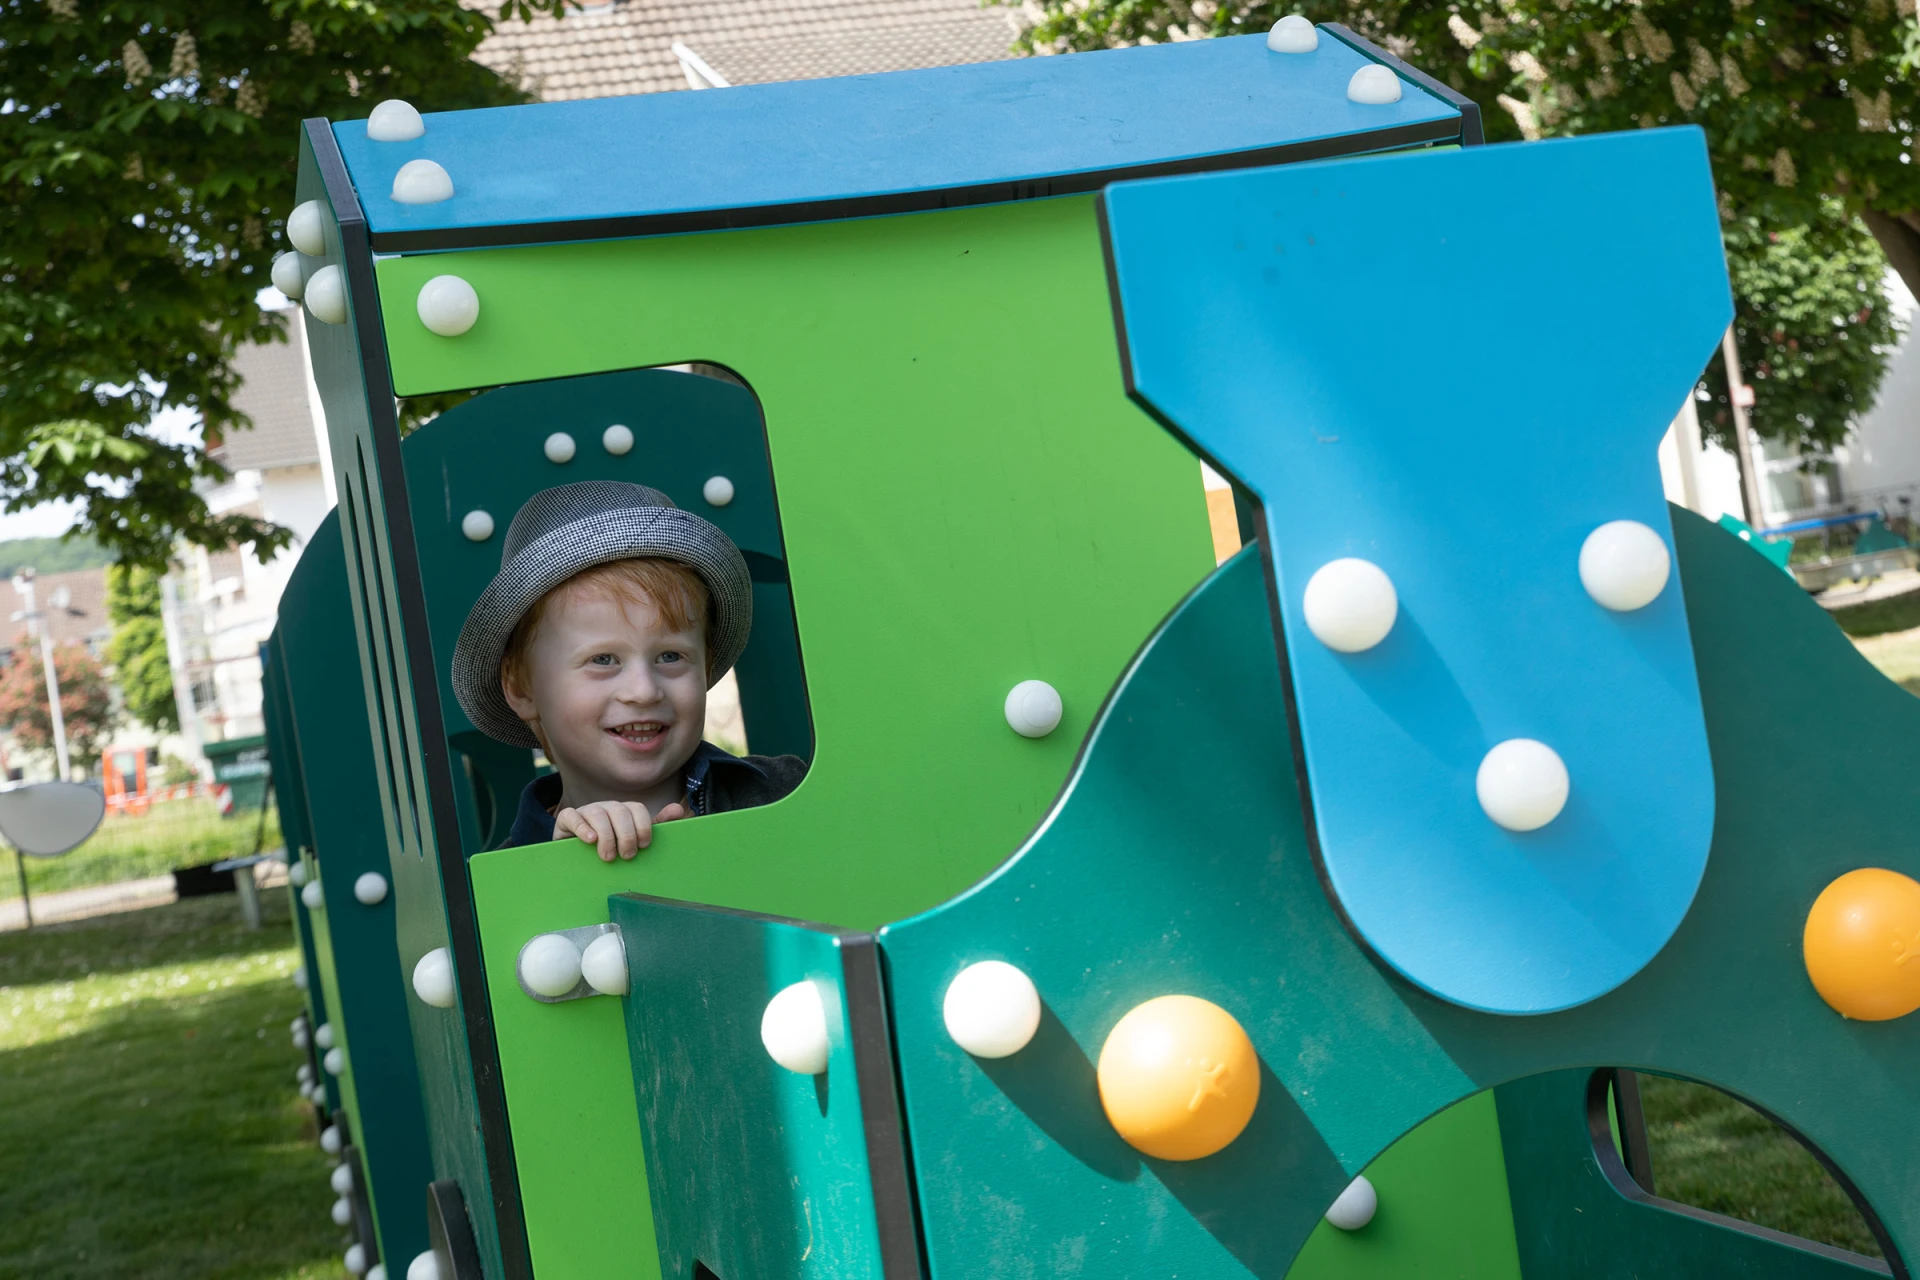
point(516, 694)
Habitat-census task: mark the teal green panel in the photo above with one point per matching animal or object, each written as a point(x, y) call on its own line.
point(370, 1008)
point(1579, 1217)
point(1190, 871)
point(1776, 550)
point(755, 1170)
point(1877, 537)
point(448, 1068)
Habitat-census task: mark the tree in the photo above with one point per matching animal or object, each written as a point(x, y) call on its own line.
point(147, 164)
point(85, 701)
point(1809, 112)
point(138, 650)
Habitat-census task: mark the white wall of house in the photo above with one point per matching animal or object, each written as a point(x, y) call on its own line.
point(1883, 454)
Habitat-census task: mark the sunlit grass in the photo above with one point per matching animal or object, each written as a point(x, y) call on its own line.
point(148, 1120)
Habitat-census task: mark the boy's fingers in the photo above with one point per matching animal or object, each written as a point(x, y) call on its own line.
point(623, 828)
point(567, 823)
point(671, 812)
point(608, 843)
point(642, 824)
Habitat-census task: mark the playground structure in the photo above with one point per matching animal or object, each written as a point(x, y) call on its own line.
point(938, 351)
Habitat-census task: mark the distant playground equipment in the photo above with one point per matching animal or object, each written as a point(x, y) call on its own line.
point(1286, 918)
point(45, 820)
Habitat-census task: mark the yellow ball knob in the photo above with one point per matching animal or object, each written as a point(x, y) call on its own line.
point(1178, 1078)
point(1862, 944)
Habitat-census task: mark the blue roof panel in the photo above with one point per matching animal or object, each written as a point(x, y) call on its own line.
point(832, 146)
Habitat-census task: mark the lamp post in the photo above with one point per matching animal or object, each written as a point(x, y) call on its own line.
point(36, 626)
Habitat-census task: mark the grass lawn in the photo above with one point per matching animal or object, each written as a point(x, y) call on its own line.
point(1715, 1152)
point(178, 833)
point(148, 1121)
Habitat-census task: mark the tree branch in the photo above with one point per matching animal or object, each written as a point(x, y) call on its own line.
point(1900, 241)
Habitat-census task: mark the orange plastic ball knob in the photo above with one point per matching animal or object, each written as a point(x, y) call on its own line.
point(1862, 944)
point(1178, 1078)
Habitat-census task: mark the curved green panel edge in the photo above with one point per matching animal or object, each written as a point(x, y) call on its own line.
point(1202, 882)
point(1575, 1219)
point(365, 984)
point(967, 500)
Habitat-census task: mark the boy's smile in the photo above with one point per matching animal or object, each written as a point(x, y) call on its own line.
point(619, 696)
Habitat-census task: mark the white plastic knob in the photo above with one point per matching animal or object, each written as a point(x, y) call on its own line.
point(379, 1272)
point(794, 1029)
point(477, 525)
point(424, 1267)
point(370, 888)
point(330, 1139)
point(604, 964)
point(991, 1009)
point(1033, 708)
point(327, 295)
point(1350, 604)
point(336, 1061)
point(395, 120)
point(342, 1180)
point(1374, 85)
point(550, 965)
point(324, 1036)
point(433, 978)
point(1293, 34)
point(448, 306)
point(301, 1039)
point(317, 1094)
point(1522, 784)
point(559, 447)
point(355, 1260)
point(304, 1074)
point(1355, 1207)
point(307, 229)
point(297, 873)
point(300, 977)
point(422, 182)
point(718, 491)
point(1624, 565)
point(617, 440)
point(343, 1209)
point(286, 274)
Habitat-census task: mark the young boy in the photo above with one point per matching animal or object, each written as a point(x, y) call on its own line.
point(612, 615)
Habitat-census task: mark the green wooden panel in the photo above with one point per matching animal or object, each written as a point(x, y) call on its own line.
point(964, 504)
point(450, 1070)
point(1443, 1208)
point(1122, 897)
point(339, 777)
point(1576, 1218)
point(754, 1170)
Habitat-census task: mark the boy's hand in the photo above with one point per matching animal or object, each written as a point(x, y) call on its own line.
point(613, 827)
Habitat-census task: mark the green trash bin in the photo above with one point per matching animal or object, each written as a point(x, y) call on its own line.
point(241, 765)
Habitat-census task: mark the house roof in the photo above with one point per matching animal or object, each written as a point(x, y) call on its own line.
point(859, 145)
point(273, 393)
point(84, 619)
point(627, 48)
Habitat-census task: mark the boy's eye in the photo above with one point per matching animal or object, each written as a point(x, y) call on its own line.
point(603, 660)
point(671, 655)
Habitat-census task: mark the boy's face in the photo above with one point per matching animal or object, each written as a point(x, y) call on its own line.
point(621, 697)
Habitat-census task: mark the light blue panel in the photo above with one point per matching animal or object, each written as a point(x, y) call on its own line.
point(1456, 365)
point(823, 142)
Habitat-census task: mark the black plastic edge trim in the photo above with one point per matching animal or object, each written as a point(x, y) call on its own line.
point(463, 930)
point(1471, 132)
point(772, 215)
point(1600, 1130)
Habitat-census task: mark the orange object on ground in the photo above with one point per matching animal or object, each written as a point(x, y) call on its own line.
point(1178, 1078)
point(1862, 944)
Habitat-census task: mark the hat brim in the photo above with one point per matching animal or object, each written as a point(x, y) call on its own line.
point(665, 533)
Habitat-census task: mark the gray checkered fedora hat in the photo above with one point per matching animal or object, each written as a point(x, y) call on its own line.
point(572, 527)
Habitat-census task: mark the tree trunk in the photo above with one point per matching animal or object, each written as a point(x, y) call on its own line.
point(1900, 237)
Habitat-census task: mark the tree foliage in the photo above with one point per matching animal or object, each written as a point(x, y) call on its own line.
point(85, 701)
point(147, 163)
point(1809, 111)
point(138, 650)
